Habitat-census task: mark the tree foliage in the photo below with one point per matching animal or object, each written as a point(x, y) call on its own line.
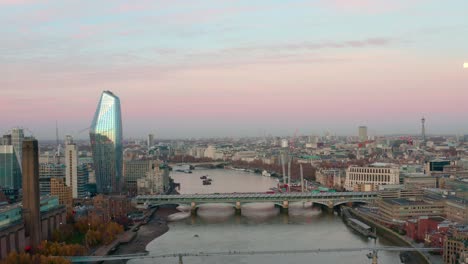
point(25, 258)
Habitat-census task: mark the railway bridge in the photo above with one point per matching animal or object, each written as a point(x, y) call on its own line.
point(328, 200)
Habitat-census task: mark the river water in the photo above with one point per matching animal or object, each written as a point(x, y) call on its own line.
point(261, 227)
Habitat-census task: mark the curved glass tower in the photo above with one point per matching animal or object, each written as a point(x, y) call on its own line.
point(106, 144)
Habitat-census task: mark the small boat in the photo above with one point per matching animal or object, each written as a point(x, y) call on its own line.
point(204, 177)
point(206, 182)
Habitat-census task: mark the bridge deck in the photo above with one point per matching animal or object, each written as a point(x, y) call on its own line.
point(232, 197)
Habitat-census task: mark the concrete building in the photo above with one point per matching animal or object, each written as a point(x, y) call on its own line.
point(418, 180)
point(401, 209)
point(64, 193)
point(76, 175)
point(105, 208)
point(12, 236)
point(12, 224)
point(106, 144)
point(370, 177)
point(248, 156)
point(150, 140)
point(456, 245)
point(362, 131)
point(156, 180)
point(47, 171)
point(31, 205)
point(456, 210)
point(135, 170)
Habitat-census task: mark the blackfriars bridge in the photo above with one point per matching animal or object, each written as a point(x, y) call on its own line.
point(328, 199)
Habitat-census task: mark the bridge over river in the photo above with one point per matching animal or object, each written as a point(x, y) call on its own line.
point(374, 250)
point(329, 200)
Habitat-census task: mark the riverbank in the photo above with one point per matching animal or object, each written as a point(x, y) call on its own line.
point(156, 227)
point(382, 231)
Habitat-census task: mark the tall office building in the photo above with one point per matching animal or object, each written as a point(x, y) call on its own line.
point(362, 133)
point(48, 171)
point(76, 175)
point(150, 140)
point(17, 137)
point(10, 172)
point(106, 144)
point(31, 197)
point(59, 189)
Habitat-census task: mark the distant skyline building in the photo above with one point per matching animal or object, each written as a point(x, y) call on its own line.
point(76, 175)
point(150, 140)
point(423, 129)
point(59, 189)
point(362, 133)
point(10, 171)
point(47, 172)
point(106, 144)
point(17, 137)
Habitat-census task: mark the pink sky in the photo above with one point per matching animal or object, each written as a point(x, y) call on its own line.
point(218, 76)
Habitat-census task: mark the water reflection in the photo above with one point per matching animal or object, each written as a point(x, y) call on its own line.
point(260, 227)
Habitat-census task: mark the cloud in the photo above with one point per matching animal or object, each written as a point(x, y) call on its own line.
point(305, 46)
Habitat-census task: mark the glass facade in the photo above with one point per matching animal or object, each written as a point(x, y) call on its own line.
point(106, 144)
point(10, 169)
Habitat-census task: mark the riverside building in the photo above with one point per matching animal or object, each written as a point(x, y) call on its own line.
point(370, 177)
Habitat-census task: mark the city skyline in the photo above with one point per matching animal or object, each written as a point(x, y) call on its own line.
point(213, 69)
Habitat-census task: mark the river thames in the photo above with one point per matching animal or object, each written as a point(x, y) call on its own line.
point(261, 227)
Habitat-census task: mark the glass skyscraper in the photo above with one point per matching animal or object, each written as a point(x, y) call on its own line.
point(106, 144)
point(10, 172)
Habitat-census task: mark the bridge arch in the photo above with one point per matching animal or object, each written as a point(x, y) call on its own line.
point(351, 201)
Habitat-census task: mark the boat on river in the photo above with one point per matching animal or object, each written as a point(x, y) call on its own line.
point(206, 182)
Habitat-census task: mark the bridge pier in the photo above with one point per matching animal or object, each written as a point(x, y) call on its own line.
point(238, 208)
point(285, 208)
point(330, 208)
point(193, 208)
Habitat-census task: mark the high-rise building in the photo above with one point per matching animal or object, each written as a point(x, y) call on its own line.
point(150, 140)
point(362, 133)
point(10, 173)
point(134, 170)
point(17, 137)
point(156, 180)
point(5, 140)
point(62, 191)
point(31, 197)
point(48, 171)
point(76, 175)
point(106, 144)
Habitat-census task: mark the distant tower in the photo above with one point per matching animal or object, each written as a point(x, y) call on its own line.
point(362, 133)
point(17, 137)
point(150, 140)
point(31, 197)
point(423, 129)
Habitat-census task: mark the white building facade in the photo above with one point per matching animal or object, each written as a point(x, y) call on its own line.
point(370, 177)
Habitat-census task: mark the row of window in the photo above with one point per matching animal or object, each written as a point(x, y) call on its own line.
point(370, 178)
point(369, 170)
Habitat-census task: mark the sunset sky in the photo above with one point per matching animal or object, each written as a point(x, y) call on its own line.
point(186, 68)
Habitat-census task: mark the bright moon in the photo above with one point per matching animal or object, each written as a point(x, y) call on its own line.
point(465, 65)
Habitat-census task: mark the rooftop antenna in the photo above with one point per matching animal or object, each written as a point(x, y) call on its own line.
point(57, 154)
point(423, 129)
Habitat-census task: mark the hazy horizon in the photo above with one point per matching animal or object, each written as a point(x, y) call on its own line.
point(243, 68)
